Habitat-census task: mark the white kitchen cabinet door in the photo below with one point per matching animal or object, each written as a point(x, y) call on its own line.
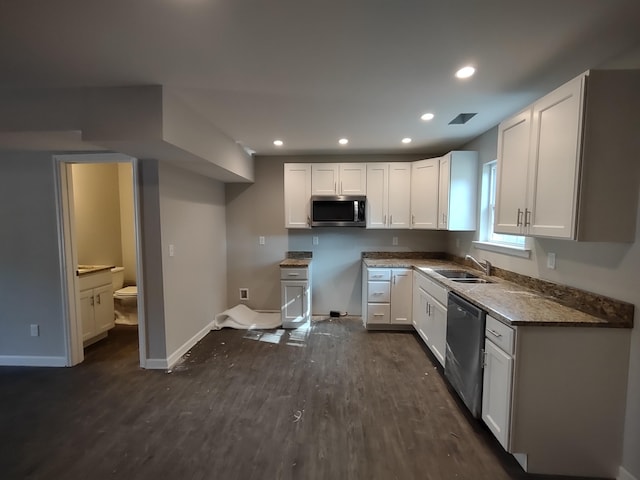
point(438, 324)
point(496, 392)
point(399, 195)
point(555, 150)
point(443, 192)
point(352, 178)
point(377, 194)
point(295, 301)
point(401, 295)
point(512, 174)
point(324, 179)
point(424, 193)
point(297, 195)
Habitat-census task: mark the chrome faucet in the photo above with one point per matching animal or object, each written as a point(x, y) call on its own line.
point(486, 268)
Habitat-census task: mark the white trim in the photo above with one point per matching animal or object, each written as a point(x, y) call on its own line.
point(74, 349)
point(503, 248)
point(623, 474)
point(156, 364)
point(171, 360)
point(32, 361)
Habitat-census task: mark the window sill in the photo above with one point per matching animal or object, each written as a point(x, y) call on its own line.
point(514, 251)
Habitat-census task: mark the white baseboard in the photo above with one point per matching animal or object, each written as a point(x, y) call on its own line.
point(31, 361)
point(623, 474)
point(171, 360)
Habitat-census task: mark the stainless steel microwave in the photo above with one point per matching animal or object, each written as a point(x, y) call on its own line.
point(338, 211)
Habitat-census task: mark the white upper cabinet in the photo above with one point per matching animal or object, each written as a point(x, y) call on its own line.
point(457, 191)
point(297, 195)
point(400, 195)
point(389, 195)
point(338, 179)
point(511, 182)
point(424, 193)
point(576, 148)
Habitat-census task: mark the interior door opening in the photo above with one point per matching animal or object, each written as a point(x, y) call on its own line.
point(101, 264)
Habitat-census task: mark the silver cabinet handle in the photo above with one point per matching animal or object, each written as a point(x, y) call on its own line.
point(92, 301)
point(527, 217)
point(377, 294)
point(378, 314)
point(519, 218)
point(293, 274)
point(484, 357)
point(384, 221)
point(390, 219)
point(494, 333)
point(308, 220)
point(99, 298)
point(413, 219)
point(335, 186)
point(341, 188)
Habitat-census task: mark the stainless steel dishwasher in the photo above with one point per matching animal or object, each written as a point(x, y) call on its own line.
point(463, 358)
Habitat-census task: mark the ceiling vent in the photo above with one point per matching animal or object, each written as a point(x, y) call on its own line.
point(462, 118)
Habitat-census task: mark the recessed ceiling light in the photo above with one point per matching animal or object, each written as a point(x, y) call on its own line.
point(465, 72)
point(343, 141)
point(427, 116)
point(278, 143)
point(406, 140)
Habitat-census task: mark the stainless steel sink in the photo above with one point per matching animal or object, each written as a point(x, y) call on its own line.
point(462, 276)
point(456, 274)
point(471, 280)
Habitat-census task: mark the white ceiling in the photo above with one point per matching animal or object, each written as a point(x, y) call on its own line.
point(312, 71)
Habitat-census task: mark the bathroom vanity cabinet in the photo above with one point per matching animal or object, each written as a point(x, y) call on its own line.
point(96, 305)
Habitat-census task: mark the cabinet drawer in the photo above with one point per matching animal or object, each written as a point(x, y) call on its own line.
point(438, 292)
point(378, 292)
point(500, 334)
point(379, 274)
point(294, 273)
point(378, 313)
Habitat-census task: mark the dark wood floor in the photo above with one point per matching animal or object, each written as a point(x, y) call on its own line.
point(341, 403)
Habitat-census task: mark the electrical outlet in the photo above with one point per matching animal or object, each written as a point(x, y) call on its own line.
point(551, 261)
point(315, 240)
point(35, 330)
point(244, 294)
point(394, 240)
point(261, 240)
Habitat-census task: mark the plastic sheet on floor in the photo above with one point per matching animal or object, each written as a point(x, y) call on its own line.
point(296, 337)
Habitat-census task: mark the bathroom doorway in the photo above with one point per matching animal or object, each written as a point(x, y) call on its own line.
point(99, 218)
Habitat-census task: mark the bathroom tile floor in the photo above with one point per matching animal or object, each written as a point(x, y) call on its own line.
point(343, 404)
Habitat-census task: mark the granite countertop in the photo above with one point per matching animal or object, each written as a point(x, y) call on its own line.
point(87, 269)
point(295, 262)
point(506, 301)
point(297, 259)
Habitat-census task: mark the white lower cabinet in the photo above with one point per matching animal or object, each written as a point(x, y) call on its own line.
point(96, 304)
point(295, 289)
point(554, 397)
point(387, 296)
point(430, 314)
point(498, 381)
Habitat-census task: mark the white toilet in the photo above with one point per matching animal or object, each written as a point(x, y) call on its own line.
point(125, 300)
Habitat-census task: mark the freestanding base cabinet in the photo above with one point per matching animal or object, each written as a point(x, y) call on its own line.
point(295, 288)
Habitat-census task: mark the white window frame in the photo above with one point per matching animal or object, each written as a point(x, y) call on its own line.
point(515, 245)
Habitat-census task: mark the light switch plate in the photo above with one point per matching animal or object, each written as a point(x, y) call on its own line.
point(172, 250)
point(261, 240)
point(551, 261)
point(315, 240)
point(35, 330)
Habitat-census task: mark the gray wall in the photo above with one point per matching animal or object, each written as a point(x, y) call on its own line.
point(30, 283)
point(192, 209)
point(606, 268)
point(258, 210)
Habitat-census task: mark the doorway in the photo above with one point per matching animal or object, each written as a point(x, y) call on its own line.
point(71, 242)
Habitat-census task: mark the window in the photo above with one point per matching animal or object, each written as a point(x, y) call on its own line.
point(490, 240)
